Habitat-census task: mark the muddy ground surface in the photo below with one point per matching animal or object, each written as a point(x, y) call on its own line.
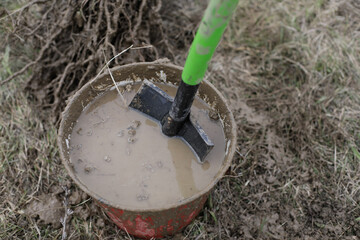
point(290, 73)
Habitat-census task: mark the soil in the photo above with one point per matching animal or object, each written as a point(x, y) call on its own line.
point(77, 43)
point(48, 209)
point(288, 69)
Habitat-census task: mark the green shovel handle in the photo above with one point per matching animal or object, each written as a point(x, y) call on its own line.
point(213, 24)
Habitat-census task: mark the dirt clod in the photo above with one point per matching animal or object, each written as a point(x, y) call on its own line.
point(48, 208)
point(213, 115)
point(88, 169)
point(136, 124)
point(55, 190)
point(132, 132)
point(80, 131)
point(82, 212)
point(75, 197)
point(100, 222)
point(270, 179)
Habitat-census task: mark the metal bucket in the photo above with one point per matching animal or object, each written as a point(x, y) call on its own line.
point(151, 222)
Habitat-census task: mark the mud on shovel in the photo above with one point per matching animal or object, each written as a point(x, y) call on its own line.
point(174, 114)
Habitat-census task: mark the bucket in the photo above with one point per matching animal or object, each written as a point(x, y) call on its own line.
point(149, 223)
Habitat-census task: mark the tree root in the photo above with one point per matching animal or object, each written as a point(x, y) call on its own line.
point(72, 36)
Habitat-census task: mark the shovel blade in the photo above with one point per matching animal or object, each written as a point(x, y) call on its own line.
point(152, 101)
point(156, 103)
point(196, 138)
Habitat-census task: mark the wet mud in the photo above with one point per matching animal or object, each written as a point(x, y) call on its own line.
point(121, 154)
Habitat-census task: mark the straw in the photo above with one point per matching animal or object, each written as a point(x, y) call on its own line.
point(112, 77)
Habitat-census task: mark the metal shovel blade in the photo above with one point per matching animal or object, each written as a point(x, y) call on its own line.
point(156, 103)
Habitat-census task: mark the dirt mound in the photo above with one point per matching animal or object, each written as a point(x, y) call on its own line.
point(75, 37)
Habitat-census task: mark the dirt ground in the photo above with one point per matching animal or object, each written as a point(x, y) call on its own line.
point(290, 71)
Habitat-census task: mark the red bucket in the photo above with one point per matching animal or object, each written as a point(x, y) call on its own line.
point(151, 222)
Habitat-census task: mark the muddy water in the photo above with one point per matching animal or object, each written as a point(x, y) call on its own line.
point(122, 155)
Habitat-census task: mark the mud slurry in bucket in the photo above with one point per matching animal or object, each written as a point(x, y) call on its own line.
point(122, 156)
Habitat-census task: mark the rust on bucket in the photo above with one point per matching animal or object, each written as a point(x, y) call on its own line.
point(154, 224)
point(150, 222)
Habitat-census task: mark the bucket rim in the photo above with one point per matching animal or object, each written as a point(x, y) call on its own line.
point(220, 174)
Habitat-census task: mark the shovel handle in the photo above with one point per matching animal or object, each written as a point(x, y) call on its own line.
point(217, 16)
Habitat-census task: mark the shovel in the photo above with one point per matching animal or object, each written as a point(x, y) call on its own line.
point(174, 114)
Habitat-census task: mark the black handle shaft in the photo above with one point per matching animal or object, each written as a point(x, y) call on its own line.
point(180, 109)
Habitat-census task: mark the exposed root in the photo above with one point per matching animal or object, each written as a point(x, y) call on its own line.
point(72, 36)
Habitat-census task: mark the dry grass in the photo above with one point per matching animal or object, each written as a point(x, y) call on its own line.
point(290, 71)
